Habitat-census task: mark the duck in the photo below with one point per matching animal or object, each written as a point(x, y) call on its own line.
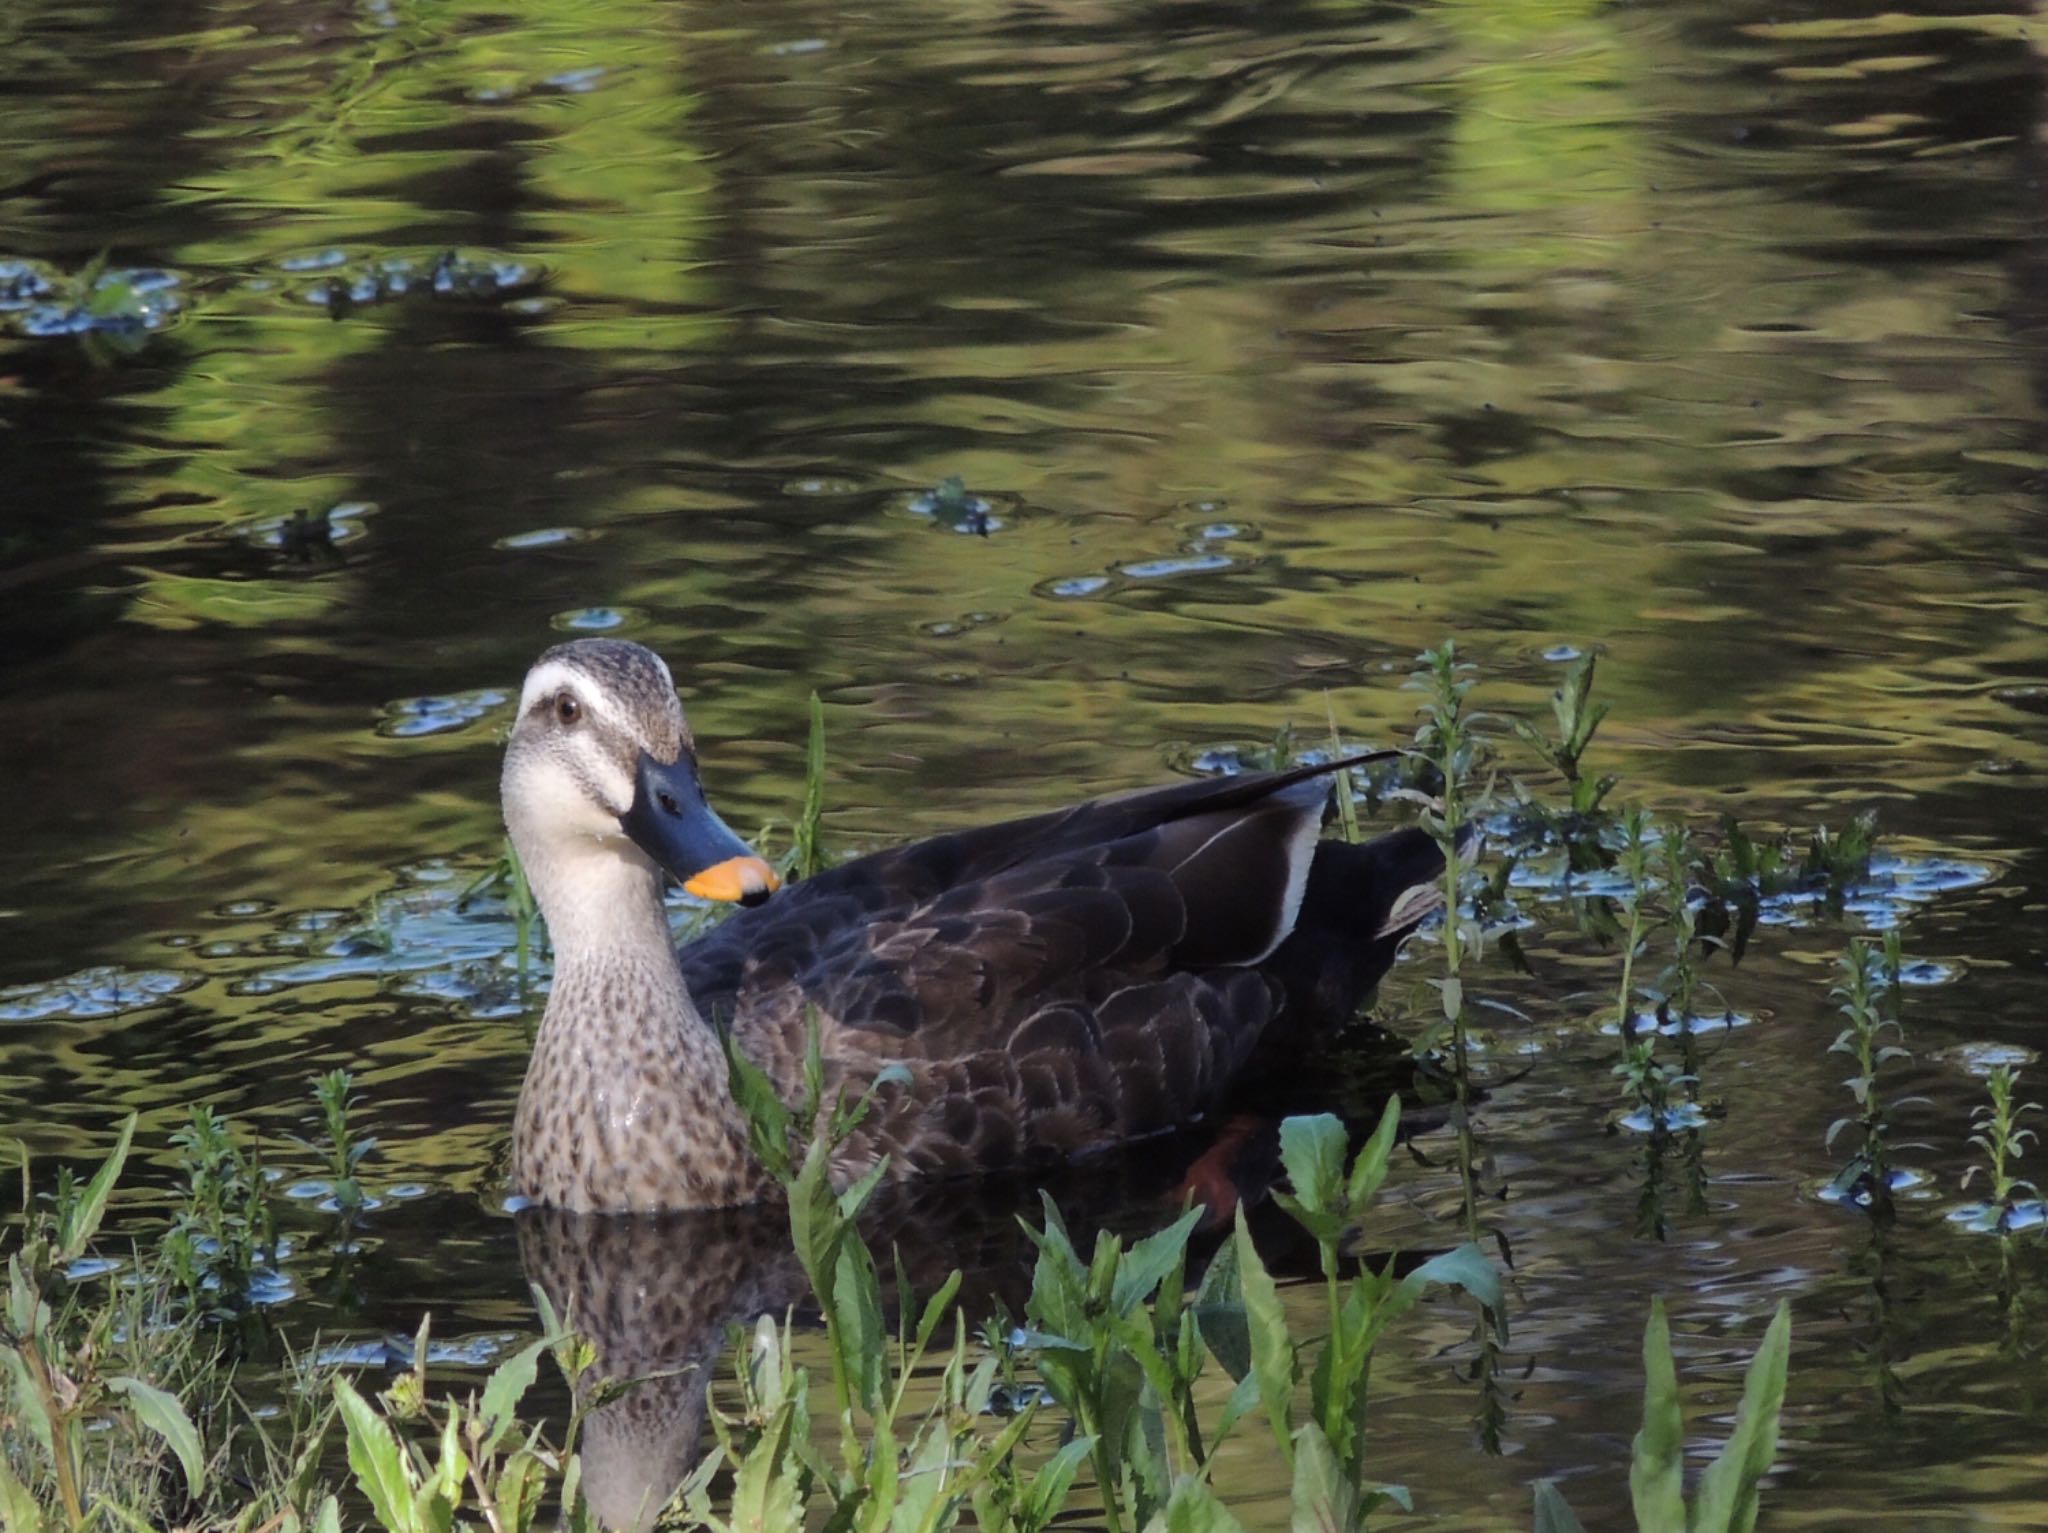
point(1005, 996)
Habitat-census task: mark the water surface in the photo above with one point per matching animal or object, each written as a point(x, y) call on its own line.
point(1270, 345)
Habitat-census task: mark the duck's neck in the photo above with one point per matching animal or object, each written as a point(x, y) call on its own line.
point(625, 1107)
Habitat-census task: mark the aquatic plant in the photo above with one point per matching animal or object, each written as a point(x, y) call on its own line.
point(1579, 826)
point(484, 1462)
point(951, 504)
point(117, 1405)
point(507, 879)
point(447, 274)
point(1655, 1089)
point(1868, 986)
point(1446, 741)
point(111, 311)
point(1741, 874)
point(1346, 794)
point(1638, 847)
point(1726, 1496)
point(1449, 742)
point(341, 1149)
point(807, 849)
point(1115, 1340)
point(223, 1235)
point(100, 1397)
point(2003, 1142)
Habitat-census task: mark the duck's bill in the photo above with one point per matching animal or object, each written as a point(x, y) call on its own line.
point(746, 880)
point(671, 822)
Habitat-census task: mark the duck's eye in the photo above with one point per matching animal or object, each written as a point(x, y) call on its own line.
point(567, 709)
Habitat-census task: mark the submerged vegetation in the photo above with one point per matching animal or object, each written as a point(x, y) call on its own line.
point(130, 1397)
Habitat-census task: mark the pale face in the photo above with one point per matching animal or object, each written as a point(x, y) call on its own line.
point(600, 790)
point(578, 737)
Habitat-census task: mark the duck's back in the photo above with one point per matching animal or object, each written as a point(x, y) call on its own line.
point(1067, 981)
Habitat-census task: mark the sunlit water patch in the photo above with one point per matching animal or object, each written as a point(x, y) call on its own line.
point(1198, 562)
point(114, 304)
point(1695, 1025)
point(411, 932)
point(346, 284)
point(571, 82)
point(1073, 586)
point(2008, 1219)
point(1983, 1058)
point(303, 534)
point(91, 994)
point(595, 619)
point(410, 717)
point(1675, 1118)
point(1850, 1188)
point(954, 627)
point(544, 537)
point(23, 284)
point(395, 1351)
point(954, 506)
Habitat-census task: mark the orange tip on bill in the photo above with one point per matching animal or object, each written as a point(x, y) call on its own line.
point(736, 878)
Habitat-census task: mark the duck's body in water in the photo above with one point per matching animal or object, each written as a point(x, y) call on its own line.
point(1046, 986)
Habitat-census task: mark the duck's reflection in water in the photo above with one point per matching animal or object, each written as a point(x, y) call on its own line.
point(656, 1294)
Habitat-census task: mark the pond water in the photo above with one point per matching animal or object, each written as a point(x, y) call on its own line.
point(353, 351)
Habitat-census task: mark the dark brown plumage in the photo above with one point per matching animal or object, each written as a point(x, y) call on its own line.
point(1025, 991)
point(1063, 982)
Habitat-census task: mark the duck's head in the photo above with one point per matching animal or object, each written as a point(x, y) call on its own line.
point(601, 773)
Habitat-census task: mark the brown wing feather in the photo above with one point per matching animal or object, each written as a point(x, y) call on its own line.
point(1049, 986)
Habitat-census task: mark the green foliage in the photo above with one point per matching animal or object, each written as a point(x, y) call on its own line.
point(951, 504)
point(1446, 741)
point(1725, 1500)
point(1869, 995)
point(481, 1467)
point(1122, 1354)
point(1744, 872)
point(223, 1235)
point(1638, 848)
point(2003, 1142)
point(507, 878)
point(1579, 823)
point(807, 855)
point(1347, 801)
point(118, 1407)
point(340, 1149)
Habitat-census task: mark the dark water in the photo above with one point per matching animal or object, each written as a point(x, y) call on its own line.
point(1281, 342)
